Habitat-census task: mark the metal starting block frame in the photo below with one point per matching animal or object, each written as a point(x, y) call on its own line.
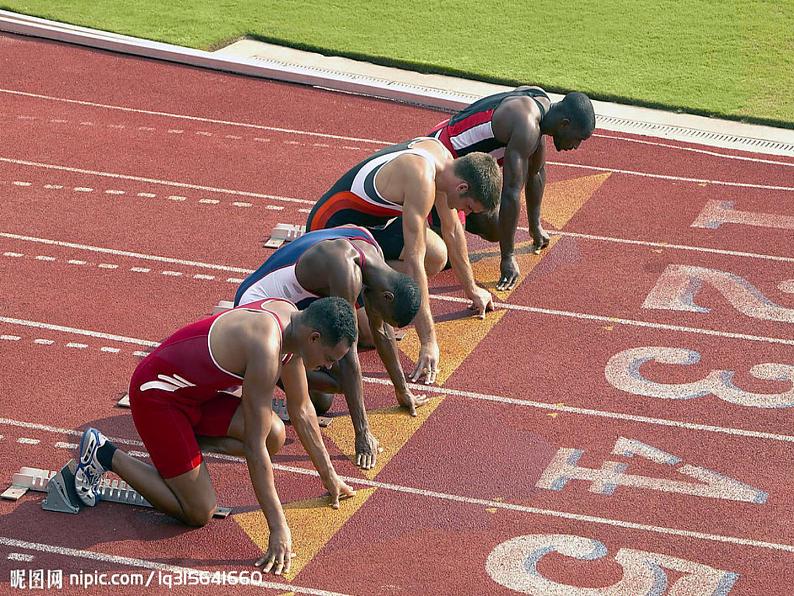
point(62, 496)
point(284, 233)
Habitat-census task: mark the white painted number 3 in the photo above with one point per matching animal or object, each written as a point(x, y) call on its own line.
point(514, 565)
point(623, 372)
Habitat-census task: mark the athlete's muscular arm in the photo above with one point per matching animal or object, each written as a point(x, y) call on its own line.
point(344, 284)
point(536, 184)
point(261, 374)
point(524, 136)
point(418, 198)
point(455, 238)
point(386, 345)
point(304, 420)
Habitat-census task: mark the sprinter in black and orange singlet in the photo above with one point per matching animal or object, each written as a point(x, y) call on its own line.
point(180, 401)
point(391, 193)
point(510, 126)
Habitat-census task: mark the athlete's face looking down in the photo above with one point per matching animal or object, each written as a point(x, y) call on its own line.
point(316, 354)
point(467, 204)
point(568, 137)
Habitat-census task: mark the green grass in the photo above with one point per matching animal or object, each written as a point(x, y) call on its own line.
point(727, 58)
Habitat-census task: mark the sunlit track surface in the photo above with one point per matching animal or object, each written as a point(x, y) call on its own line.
point(622, 422)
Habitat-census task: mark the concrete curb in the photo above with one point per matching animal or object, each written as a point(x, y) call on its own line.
point(448, 93)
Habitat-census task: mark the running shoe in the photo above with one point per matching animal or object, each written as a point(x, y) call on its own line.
point(89, 471)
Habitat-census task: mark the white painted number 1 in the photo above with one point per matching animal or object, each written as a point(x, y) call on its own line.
point(514, 565)
point(606, 479)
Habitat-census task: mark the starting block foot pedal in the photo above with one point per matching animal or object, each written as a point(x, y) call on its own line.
point(61, 495)
point(124, 402)
point(222, 306)
point(284, 233)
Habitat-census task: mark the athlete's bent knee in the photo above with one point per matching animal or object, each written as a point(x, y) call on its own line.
point(198, 517)
point(277, 435)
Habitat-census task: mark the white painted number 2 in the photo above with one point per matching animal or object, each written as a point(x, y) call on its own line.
point(623, 372)
point(678, 286)
point(514, 565)
point(605, 480)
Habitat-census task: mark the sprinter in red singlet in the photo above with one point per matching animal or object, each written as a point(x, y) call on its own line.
point(180, 404)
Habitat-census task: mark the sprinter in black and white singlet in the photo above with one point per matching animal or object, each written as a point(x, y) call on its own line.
point(510, 126)
point(391, 194)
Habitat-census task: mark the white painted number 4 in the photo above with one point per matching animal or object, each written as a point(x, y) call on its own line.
point(605, 480)
point(514, 565)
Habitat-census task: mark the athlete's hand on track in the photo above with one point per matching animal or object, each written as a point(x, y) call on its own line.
point(427, 365)
point(278, 556)
point(411, 401)
point(338, 490)
point(367, 449)
point(508, 273)
point(481, 301)
point(541, 240)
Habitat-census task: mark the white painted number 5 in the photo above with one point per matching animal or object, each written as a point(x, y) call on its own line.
point(514, 565)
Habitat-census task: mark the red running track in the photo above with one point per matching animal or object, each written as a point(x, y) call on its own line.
point(626, 422)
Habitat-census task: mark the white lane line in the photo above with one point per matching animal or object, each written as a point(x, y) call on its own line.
point(6, 337)
point(87, 124)
point(28, 441)
point(124, 253)
point(204, 133)
point(202, 276)
point(194, 118)
point(668, 177)
point(233, 137)
point(718, 251)
point(175, 131)
point(59, 121)
point(146, 128)
point(301, 210)
point(140, 269)
point(62, 445)
point(109, 350)
point(107, 266)
point(27, 117)
point(176, 198)
point(20, 183)
point(460, 498)
point(241, 204)
point(326, 135)
point(739, 432)
point(171, 273)
point(274, 207)
point(20, 557)
point(617, 320)
point(242, 193)
point(82, 189)
point(119, 126)
point(147, 195)
point(53, 186)
point(84, 332)
point(13, 254)
point(201, 574)
point(261, 140)
point(209, 201)
point(693, 150)
point(43, 342)
point(44, 258)
point(76, 345)
point(115, 192)
point(537, 310)
point(76, 262)
point(140, 354)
